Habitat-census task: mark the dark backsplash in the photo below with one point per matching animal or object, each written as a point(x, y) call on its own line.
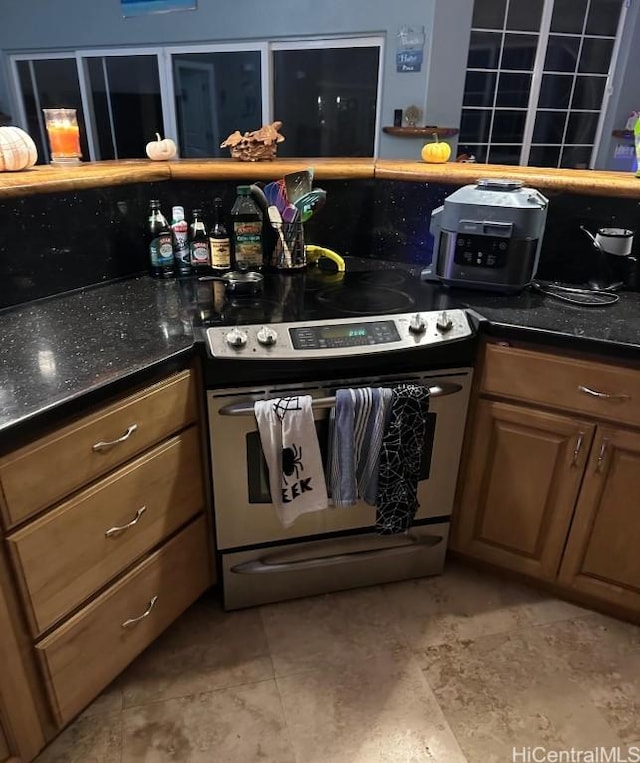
point(53, 243)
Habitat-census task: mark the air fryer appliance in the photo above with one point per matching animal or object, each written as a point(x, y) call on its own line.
point(488, 236)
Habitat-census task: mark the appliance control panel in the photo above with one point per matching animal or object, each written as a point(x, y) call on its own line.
point(481, 251)
point(340, 337)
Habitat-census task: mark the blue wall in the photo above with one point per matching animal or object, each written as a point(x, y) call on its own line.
point(69, 24)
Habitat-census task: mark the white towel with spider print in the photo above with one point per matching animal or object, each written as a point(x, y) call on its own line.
point(290, 445)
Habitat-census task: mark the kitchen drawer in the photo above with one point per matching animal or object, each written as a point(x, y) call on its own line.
point(52, 467)
point(88, 651)
point(604, 391)
point(75, 549)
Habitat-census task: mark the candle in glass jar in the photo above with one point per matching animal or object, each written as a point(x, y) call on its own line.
point(64, 134)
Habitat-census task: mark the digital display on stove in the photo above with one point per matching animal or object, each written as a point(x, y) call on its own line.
point(343, 335)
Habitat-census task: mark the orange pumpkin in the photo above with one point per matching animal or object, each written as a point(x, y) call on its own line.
point(17, 150)
point(436, 152)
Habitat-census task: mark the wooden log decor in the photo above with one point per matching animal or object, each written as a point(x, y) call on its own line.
point(257, 146)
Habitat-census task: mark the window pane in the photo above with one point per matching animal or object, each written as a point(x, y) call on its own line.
point(489, 14)
point(28, 96)
point(505, 154)
point(596, 56)
point(519, 51)
point(544, 156)
point(508, 126)
point(576, 157)
point(134, 87)
point(568, 16)
point(326, 100)
point(479, 89)
point(549, 126)
point(562, 54)
point(216, 94)
point(58, 87)
point(474, 126)
point(104, 138)
point(513, 90)
point(484, 50)
point(603, 17)
point(555, 91)
point(588, 93)
point(524, 15)
point(581, 127)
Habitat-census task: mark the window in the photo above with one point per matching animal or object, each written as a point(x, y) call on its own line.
point(326, 98)
point(536, 80)
point(326, 92)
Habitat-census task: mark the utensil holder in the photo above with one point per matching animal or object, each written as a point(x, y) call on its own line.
point(289, 252)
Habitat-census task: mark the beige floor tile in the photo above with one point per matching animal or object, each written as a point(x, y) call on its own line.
point(603, 656)
point(206, 649)
point(513, 690)
point(465, 604)
point(90, 738)
point(238, 725)
point(328, 630)
point(371, 711)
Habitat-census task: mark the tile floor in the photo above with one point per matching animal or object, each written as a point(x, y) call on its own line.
point(457, 668)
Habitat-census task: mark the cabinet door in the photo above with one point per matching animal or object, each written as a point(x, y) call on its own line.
point(4, 746)
point(602, 556)
point(520, 487)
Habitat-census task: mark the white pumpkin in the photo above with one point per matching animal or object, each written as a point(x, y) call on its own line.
point(161, 150)
point(17, 150)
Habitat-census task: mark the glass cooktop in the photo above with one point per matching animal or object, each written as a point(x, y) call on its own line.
point(367, 288)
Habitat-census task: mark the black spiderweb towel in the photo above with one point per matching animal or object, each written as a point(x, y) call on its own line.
point(400, 455)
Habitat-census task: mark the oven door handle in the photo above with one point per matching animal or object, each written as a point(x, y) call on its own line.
point(264, 566)
point(246, 409)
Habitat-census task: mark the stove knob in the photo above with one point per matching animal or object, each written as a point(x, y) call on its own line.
point(267, 336)
point(443, 322)
point(237, 338)
point(417, 324)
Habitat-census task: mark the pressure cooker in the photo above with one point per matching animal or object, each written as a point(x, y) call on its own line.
point(488, 236)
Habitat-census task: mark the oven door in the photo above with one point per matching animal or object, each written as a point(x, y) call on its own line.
point(243, 510)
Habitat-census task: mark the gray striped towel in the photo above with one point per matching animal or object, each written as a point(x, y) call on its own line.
point(356, 428)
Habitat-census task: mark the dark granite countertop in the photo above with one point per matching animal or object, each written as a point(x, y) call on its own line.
point(65, 349)
point(612, 330)
point(58, 350)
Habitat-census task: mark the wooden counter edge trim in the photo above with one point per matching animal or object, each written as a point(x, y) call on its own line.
point(583, 182)
point(230, 169)
point(45, 179)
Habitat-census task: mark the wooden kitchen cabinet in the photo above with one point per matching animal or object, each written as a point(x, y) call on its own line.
point(602, 558)
point(549, 482)
point(107, 530)
point(521, 485)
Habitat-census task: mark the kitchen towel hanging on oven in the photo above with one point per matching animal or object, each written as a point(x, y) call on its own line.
point(400, 456)
point(356, 426)
point(291, 450)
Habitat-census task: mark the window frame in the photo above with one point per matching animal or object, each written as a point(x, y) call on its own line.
point(164, 55)
point(532, 109)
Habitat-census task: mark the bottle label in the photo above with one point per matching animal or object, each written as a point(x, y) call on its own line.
point(248, 243)
point(199, 253)
point(220, 253)
point(165, 250)
point(181, 249)
point(154, 254)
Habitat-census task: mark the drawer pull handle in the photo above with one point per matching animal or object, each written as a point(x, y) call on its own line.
point(111, 443)
point(603, 395)
point(146, 613)
point(578, 448)
point(117, 530)
point(602, 455)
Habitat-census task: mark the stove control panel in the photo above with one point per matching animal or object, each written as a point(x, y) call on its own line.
point(340, 337)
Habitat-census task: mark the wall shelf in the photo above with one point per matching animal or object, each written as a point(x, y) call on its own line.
point(421, 132)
